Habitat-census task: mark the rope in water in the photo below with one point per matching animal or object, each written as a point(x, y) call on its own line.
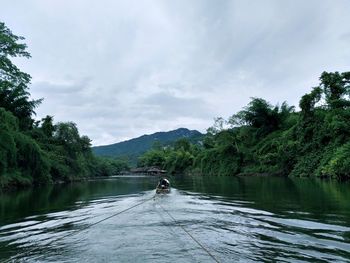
point(118, 213)
point(82, 229)
point(191, 236)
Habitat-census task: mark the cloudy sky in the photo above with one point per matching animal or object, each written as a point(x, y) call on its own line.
point(120, 69)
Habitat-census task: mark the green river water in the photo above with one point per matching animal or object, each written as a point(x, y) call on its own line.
point(250, 219)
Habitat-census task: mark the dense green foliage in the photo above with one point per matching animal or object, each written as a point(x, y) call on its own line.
point(176, 158)
point(37, 152)
point(267, 139)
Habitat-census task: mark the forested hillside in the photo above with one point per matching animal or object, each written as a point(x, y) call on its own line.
point(37, 152)
point(133, 148)
point(274, 140)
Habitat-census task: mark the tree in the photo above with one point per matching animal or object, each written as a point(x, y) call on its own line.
point(10, 47)
point(218, 126)
point(262, 115)
point(14, 95)
point(47, 126)
point(8, 151)
point(152, 158)
point(335, 86)
point(308, 101)
point(182, 144)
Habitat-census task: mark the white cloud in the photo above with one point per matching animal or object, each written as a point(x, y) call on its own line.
point(124, 68)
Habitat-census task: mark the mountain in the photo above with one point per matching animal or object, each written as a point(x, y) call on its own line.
point(137, 146)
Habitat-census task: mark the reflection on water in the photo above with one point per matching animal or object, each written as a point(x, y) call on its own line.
point(236, 219)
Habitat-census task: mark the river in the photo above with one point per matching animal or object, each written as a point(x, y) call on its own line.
point(234, 219)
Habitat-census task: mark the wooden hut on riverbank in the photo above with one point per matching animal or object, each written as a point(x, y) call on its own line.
point(148, 171)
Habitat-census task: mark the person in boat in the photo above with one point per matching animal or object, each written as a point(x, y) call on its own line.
point(163, 183)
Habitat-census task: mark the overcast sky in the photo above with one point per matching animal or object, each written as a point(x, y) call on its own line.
point(120, 69)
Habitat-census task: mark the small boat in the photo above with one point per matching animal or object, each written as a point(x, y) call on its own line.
point(163, 186)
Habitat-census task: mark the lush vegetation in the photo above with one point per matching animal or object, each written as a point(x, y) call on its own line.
point(267, 139)
point(36, 152)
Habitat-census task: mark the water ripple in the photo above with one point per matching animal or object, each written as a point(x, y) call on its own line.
point(232, 230)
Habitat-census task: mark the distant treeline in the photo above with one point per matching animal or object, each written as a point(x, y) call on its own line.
point(263, 139)
point(36, 152)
